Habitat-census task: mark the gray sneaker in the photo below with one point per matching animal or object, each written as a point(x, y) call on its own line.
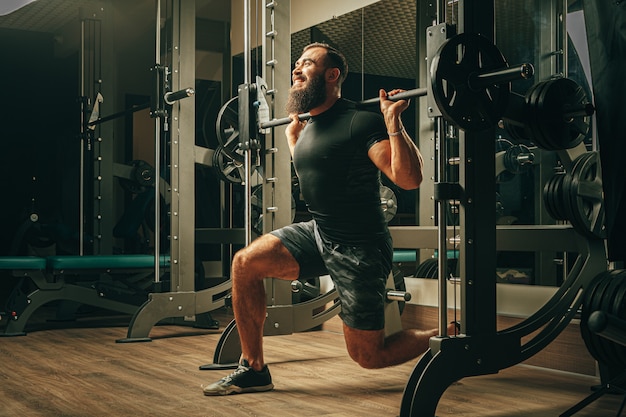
point(244, 379)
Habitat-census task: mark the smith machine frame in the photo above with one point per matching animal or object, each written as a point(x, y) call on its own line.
point(182, 301)
point(481, 349)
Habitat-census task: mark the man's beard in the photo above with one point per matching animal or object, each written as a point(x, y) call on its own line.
point(303, 100)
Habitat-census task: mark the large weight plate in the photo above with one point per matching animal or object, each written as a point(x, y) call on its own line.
point(227, 168)
point(610, 348)
point(617, 309)
point(550, 200)
point(592, 302)
point(457, 59)
point(586, 196)
point(559, 97)
point(532, 117)
point(227, 129)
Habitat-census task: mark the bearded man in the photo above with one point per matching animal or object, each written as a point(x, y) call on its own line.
point(338, 155)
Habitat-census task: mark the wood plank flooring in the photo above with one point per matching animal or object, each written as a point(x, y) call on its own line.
point(82, 371)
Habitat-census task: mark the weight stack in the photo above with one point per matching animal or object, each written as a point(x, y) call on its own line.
point(606, 294)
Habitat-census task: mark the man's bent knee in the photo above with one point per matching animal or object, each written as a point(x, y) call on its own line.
point(265, 257)
point(365, 347)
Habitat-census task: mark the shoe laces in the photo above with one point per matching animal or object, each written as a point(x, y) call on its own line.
point(240, 370)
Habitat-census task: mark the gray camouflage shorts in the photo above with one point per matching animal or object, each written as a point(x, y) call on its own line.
point(358, 272)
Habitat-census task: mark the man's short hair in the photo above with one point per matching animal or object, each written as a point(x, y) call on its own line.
point(334, 59)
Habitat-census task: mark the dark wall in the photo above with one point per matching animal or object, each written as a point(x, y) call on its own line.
point(38, 134)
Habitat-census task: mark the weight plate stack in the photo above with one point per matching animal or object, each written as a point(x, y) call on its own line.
point(583, 188)
point(557, 114)
point(607, 293)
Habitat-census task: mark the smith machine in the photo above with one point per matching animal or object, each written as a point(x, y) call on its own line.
point(469, 88)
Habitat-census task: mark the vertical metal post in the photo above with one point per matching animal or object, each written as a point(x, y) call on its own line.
point(157, 159)
point(81, 192)
point(442, 242)
point(182, 148)
point(248, 152)
point(477, 214)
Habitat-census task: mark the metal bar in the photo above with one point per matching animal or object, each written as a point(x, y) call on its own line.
point(81, 187)
point(172, 97)
point(157, 158)
point(247, 69)
point(119, 114)
point(417, 92)
point(442, 242)
point(521, 72)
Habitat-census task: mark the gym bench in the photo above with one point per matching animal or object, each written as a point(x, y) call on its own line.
point(113, 282)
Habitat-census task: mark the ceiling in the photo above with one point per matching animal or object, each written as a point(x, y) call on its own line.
point(53, 16)
point(363, 48)
point(368, 42)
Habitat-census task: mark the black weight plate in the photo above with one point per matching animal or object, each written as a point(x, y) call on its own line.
point(586, 310)
point(562, 197)
point(530, 116)
point(227, 129)
point(617, 310)
point(593, 302)
point(555, 200)
point(424, 269)
point(457, 59)
point(560, 95)
point(611, 348)
point(226, 168)
point(565, 200)
point(568, 208)
point(538, 120)
point(587, 199)
point(549, 197)
point(607, 347)
point(431, 271)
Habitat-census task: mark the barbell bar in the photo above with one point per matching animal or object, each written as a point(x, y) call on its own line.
point(476, 82)
point(405, 95)
point(471, 91)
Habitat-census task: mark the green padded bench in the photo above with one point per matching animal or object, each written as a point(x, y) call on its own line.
point(113, 282)
point(104, 262)
point(404, 255)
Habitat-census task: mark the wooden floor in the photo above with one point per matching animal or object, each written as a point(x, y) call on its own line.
point(61, 370)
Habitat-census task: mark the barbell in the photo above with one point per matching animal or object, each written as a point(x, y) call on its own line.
point(470, 81)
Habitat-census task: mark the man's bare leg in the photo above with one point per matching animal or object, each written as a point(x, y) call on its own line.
point(265, 257)
point(372, 350)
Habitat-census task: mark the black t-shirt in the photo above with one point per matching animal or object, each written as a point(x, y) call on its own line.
point(339, 183)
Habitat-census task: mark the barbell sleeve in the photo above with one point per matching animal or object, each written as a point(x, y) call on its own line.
point(172, 97)
point(416, 92)
point(395, 295)
point(283, 121)
point(478, 81)
point(586, 109)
